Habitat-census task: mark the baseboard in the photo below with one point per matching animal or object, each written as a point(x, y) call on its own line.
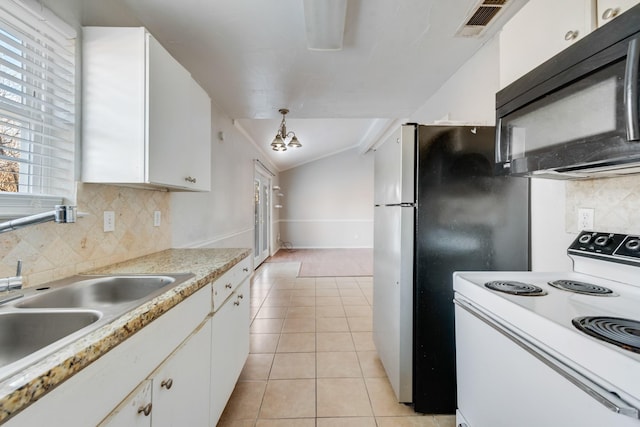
point(218, 241)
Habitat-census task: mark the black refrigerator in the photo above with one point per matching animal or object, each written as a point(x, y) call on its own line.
point(438, 209)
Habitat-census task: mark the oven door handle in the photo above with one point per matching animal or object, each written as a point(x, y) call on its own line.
point(608, 399)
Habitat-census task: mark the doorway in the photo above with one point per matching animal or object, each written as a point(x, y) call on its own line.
point(262, 217)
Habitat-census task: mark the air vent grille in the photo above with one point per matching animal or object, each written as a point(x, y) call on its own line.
point(479, 18)
point(483, 15)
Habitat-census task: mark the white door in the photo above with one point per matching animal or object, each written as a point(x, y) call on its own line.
point(262, 217)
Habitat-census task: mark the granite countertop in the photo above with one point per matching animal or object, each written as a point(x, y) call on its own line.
point(25, 387)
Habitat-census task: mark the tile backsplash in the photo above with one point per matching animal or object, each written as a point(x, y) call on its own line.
point(52, 251)
point(616, 203)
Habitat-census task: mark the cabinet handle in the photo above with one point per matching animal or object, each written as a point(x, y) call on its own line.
point(228, 286)
point(240, 296)
point(571, 35)
point(246, 269)
point(190, 179)
point(167, 383)
point(236, 302)
point(146, 410)
point(610, 13)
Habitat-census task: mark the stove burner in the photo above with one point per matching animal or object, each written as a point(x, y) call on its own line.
point(581, 287)
point(515, 288)
point(624, 333)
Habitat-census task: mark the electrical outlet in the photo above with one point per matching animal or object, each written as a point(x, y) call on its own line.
point(585, 219)
point(157, 218)
point(109, 221)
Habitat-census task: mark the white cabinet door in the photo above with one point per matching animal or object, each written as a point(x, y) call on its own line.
point(541, 29)
point(609, 9)
point(134, 411)
point(229, 347)
point(181, 383)
point(198, 154)
point(169, 123)
point(113, 105)
point(145, 119)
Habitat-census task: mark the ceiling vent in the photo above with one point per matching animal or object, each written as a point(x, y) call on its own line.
point(477, 21)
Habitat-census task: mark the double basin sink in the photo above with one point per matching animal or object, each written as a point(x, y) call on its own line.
point(46, 319)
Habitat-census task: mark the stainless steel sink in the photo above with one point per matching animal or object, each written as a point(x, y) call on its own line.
point(99, 292)
point(23, 333)
point(56, 314)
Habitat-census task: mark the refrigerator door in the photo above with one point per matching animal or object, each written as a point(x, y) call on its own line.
point(466, 219)
point(394, 165)
point(393, 295)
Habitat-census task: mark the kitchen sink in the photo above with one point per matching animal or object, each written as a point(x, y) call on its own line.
point(56, 314)
point(23, 333)
point(99, 292)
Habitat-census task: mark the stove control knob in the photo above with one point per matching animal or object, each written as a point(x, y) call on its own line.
point(633, 244)
point(585, 238)
point(602, 240)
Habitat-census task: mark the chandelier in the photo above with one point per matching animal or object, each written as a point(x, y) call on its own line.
point(279, 142)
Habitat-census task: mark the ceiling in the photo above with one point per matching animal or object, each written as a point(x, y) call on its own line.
point(251, 57)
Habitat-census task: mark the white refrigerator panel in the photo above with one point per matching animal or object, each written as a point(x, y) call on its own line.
point(393, 295)
point(394, 165)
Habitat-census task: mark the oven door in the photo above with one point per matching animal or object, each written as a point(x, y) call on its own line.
point(505, 380)
point(583, 118)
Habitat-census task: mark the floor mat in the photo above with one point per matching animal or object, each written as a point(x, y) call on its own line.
point(328, 262)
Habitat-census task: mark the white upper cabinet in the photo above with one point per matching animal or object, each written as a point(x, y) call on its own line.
point(609, 9)
point(541, 29)
point(145, 119)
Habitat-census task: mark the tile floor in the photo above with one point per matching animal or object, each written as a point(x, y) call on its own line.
point(312, 361)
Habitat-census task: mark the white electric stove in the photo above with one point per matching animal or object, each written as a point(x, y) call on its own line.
point(528, 344)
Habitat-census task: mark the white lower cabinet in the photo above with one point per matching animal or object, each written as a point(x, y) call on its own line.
point(230, 347)
point(176, 394)
point(134, 411)
point(181, 385)
point(177, 371)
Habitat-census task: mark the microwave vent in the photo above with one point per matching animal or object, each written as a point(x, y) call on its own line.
point(478, 19)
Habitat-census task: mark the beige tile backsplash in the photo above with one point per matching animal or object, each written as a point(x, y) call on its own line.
point(52, 251)
point(616, 202)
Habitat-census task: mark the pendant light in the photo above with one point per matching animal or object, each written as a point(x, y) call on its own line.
point(280, 143)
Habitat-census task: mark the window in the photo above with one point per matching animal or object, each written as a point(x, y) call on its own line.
point(37, 109)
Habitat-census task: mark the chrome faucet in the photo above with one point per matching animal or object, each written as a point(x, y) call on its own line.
point(61, 214)
point(11, 285)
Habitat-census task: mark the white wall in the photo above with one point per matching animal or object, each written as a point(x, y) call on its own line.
point(469, 95)
point(329, 203)
point(223, 217)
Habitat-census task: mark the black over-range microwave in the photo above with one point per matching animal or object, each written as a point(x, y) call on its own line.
point(576, 115)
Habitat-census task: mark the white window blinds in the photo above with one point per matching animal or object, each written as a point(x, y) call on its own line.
point(37, 108)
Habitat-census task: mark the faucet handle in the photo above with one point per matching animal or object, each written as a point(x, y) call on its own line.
point(19, 269)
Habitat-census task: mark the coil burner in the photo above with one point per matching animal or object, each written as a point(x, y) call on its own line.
point(581, 287)
point(624, 333)
point(515, 288)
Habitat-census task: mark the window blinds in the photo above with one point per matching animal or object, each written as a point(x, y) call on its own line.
point(37, 108)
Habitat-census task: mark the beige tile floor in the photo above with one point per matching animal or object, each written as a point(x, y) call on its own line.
point(312, 361)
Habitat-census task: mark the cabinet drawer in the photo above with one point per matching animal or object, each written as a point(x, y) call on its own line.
point(225, 284)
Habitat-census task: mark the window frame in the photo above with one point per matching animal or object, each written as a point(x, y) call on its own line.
point(48, 174)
